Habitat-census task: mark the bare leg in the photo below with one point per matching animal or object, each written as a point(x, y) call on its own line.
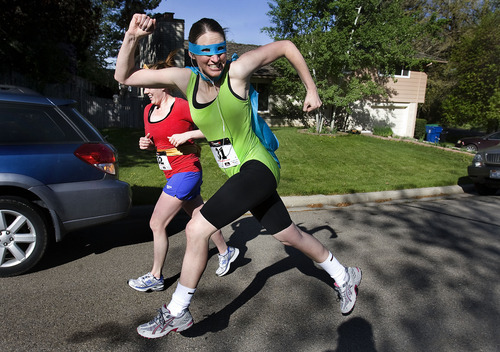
point(314, 249)
point(304, 242)
point(165, 210)
point(198, 231)
point(192, 207)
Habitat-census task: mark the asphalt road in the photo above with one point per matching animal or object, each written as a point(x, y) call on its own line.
point(431, 282)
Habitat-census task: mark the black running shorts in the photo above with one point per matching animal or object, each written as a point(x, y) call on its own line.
point(252, 189)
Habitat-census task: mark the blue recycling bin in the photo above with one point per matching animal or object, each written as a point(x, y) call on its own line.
point(433, 133)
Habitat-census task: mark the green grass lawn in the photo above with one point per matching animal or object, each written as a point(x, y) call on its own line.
point(310, 164)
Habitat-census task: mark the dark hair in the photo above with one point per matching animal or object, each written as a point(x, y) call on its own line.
point(203, 26)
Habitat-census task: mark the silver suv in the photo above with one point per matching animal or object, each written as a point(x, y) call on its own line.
point(57, 174)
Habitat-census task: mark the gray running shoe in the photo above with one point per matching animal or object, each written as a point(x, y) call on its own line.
point(147, 282)
point(348, 291)
point(226, 260)
point(164, 323)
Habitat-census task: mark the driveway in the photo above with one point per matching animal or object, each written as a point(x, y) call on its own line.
point(431, 282)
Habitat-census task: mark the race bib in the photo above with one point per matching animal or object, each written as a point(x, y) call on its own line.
point(163, 163)
point(224, 153)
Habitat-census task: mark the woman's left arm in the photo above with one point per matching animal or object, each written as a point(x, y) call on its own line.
point(251, 61)
point(181, 138)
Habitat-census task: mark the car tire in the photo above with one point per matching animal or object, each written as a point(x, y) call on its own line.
point(484, 190)
point(23, 235)
point(471, 148)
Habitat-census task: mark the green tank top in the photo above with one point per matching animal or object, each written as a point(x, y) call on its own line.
point(226, 120)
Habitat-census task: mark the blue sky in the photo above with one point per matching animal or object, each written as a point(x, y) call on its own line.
point(243, 19)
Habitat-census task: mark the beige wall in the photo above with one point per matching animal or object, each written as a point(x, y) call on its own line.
point(400, 112)
point(409, 89)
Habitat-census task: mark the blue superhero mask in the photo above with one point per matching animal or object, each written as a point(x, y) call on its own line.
point(208, 50)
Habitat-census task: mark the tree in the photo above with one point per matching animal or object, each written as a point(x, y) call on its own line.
point(46, 40)
point(345, 43)
point(443, 24)
point(50, 41)
point(115, 18)
point(475, 65)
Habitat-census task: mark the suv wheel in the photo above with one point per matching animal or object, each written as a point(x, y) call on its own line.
point(23, 236)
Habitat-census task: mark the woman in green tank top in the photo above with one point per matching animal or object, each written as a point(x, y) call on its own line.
point(218, 94)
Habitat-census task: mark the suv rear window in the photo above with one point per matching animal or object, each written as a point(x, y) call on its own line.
point(83, 125)
point(34, 124)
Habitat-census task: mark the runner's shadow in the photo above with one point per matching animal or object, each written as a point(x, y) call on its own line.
point(356, 335)
point(296, 260)
point(244, 231)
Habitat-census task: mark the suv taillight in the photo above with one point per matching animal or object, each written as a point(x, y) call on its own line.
point(98, 155)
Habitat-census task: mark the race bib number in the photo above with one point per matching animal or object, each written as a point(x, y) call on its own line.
point(163, 163)
point(224, 153)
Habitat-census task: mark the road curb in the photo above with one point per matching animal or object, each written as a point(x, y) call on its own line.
point(339, 200)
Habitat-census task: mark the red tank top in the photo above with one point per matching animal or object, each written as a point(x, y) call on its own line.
point(178, 120)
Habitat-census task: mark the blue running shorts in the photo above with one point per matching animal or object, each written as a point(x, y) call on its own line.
point(184, 185)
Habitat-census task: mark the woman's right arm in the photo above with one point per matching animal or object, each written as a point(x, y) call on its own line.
point(126, 72)
point(146, 143)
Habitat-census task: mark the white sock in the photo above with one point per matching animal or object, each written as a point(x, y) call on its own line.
point(181, 299)
point(336, 270)
point(223, 254)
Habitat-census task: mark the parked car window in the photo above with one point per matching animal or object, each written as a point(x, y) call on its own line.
point(33, 124)
point(83, 125)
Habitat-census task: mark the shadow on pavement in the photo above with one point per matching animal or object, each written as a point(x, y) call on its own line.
point(247, 229)
point(130, 230)
point(356, 335)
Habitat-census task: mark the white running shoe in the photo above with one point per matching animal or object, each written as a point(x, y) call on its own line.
point(164, 323)
point(226, 260)
point(147, 282)
point(348, 291)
